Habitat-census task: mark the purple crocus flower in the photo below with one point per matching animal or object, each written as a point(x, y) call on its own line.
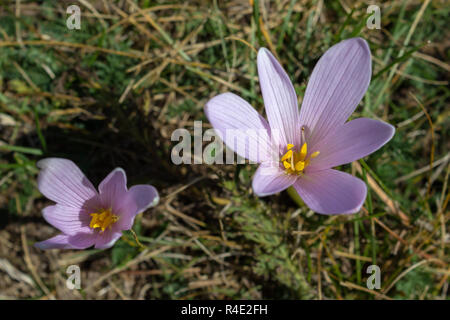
point(84, 216)
point(309, 142)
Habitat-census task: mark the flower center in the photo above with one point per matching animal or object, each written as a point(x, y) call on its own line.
point(103, 219)
point(295, 162)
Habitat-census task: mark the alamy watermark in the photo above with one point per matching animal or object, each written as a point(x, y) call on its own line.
point(252, 144)
point(74, 20)
point(374, 281)
point(374, 21)
point(74, 279)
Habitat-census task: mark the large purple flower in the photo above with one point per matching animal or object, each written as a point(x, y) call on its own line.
point(84, 216)
point(306, 144)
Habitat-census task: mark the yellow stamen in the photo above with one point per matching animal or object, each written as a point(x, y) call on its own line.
point(103, 219)
point(303, 134)
point(295, 162)
point(299, 166)
point(292, 161)
point(315, 154)
point(288, 155)
point(303, 151)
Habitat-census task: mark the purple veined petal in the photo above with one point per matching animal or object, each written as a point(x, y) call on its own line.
point(82, 240)
point(269, 178)
point(63, 241)
point(68, 220)
point(58, 242)
point(239, 126)
point(280, 99)
point(352, 141)
point(113, 189)
point(337, 84)
point(139, 198)
point(145, 196)
point(331, 192)
point(107, 239)
point(62, 181)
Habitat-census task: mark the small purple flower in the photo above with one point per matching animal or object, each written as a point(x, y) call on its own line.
point(309, 142)
point(84, 216)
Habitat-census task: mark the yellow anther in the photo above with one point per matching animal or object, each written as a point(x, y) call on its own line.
point(295, 162)
point(103, 219)
point(94, 220)
point(287, 155)
point(315, 154)
point(303, 151)
point(299, 166)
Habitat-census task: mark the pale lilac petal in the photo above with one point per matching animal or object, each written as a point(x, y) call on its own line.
point(63, 241)
point(352, 141)
point(62, 181)
point(82, 240)
point(107, 239)
point(269, 178)
point(331, 192)
point(240, 126)
point(138, 199)
point(280, 99)
point(68, 220)
point(113, 189)
point(58, 242)
point(145, 196)
point(337, 85)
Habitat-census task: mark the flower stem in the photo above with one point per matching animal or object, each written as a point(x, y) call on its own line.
point(294, 196)
point(137, 240)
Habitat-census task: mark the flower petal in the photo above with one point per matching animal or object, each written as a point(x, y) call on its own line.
point(107, 239)
point(62, 181)
point(270, 179)
point(145, 196)
point(64, 241)
point(352, 141)
point(69, 220)
point(139, 198)
point(280, 99)
point(337, 84)
point(240, 126)
point(82, 240)
point(113, 189)
point(58, 242)
point(331, 191)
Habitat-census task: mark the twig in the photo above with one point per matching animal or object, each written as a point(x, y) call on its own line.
point(401, 275)
point(404, 242)
point(432, 141)
point(393, 207)
point(142, 257)
point(423, 170)
point(30, 265)
point(355, 286)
